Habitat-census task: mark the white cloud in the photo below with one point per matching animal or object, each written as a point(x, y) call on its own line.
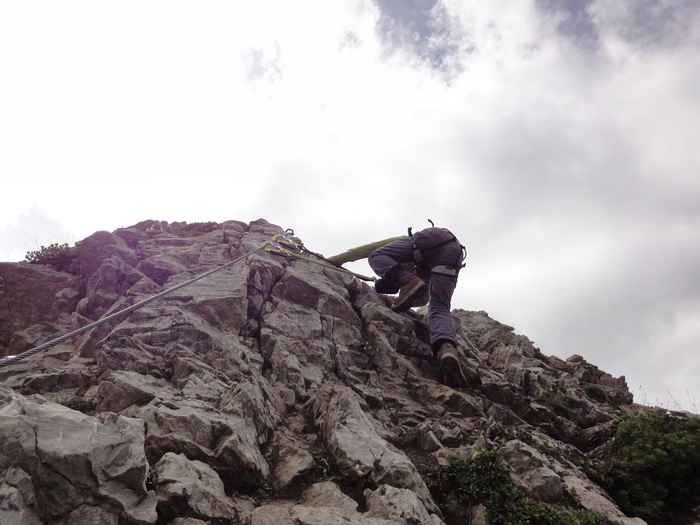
point(568, 170)
point(259, 67)
point(30, 232)
point(649, 23)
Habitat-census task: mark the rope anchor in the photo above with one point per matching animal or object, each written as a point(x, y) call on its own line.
point(289, 246)
point(283, 243)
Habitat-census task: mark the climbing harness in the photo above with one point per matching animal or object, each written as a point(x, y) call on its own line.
point(442, 269)
point(286, 237)
point(284, 243)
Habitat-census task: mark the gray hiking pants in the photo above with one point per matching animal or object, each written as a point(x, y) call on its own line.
point(387, 263)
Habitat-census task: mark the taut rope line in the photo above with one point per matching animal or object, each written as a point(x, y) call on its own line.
point(282, 244)
point(136, 306)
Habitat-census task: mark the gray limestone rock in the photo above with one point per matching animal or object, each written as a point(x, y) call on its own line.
point(190, 488)
point(358, 449)
point(239, 397)
point(70, 457)
point(28, 293)
point(327, 494)
point(397, 504)
point(292, 465)
point(532, 470)
point(592, 497)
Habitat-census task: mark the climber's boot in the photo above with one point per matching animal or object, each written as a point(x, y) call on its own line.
point(411, 287)
point(450, 368)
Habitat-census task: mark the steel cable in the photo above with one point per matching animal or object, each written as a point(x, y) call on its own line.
point(20, 357)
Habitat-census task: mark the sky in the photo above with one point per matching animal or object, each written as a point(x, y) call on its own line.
point(558, 139)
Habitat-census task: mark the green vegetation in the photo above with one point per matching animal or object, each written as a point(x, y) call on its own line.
point(60, 257)
point(558, 400)
point(502, 337)
point(651, 467)
point(485, 479)
point(543, 447)
point(595, 393)
point(77, 402)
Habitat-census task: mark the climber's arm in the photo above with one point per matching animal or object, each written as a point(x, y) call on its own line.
point(361, 252)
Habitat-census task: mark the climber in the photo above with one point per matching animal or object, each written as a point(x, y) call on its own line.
point(435, 254)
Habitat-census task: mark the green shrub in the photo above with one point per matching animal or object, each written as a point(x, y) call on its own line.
point(503, 336)
point(543, 447)
point(485, 479)
point(78, 402)
point(596, 393)
point(60, 257)
point(651, 467)
point(558, 400)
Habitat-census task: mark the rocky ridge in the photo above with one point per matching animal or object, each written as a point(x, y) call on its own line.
point(274, 391)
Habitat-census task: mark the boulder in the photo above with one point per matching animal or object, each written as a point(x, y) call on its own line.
point(533, 471)
point(327, 494)
point(190, 488)
point(401, 505)
point(28, 293)
point(292, 465)
point(359, 451)
point(69, 458)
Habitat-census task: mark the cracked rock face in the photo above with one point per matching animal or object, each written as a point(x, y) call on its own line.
point(273, 391)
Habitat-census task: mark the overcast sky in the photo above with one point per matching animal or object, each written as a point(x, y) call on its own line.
point(558, 139)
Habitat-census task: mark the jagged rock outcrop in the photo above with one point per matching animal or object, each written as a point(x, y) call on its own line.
point(57, 462)
point(274, 391)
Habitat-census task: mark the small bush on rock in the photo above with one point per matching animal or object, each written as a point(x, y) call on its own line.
point(558, 400)
point(60, 257)
point(78, 402)
point(651, 467)
point(596, 393)
point(485, 479)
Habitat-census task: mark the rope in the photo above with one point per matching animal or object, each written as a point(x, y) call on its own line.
point(281, 243)
point(15, 359)
point(279, 247)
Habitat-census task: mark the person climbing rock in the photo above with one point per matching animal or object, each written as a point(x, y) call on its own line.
point(437, 255)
